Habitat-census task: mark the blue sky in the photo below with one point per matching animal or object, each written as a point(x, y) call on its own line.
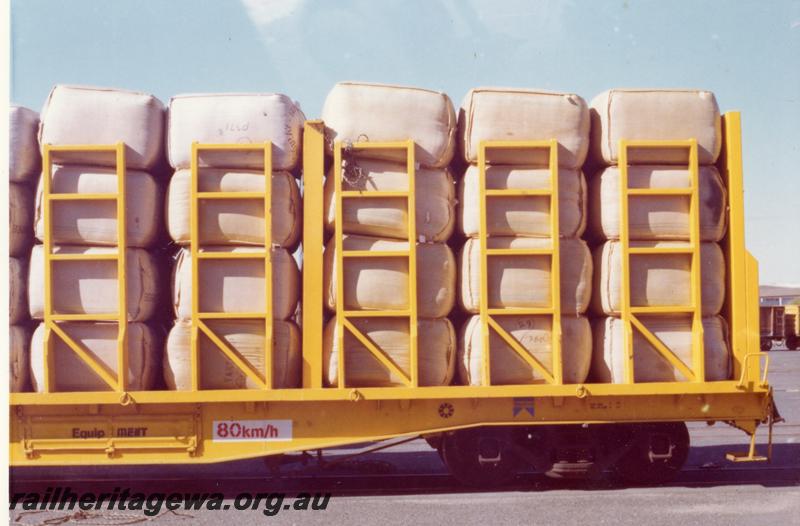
point(748, 52)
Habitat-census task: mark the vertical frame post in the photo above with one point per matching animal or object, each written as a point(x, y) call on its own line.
point(486, 371)
point(269, 347)
point(624, 241)
point(411, 216)
point(339, 262)
point(555, 267)
point(122, 244)
point(194, 247)
point(313, 244)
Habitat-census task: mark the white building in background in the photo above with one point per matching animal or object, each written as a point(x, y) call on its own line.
point(775, 296)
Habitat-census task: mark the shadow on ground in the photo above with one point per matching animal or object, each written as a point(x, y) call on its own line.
point(383, 473)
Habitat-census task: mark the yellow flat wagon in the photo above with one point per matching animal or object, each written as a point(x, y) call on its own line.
point(483, 432)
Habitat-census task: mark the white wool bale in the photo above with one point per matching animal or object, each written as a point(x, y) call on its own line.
point(88, 115)
point(522, 216)
point(675, 332)
point(535, 335)
point(387, 216)
point(512, 114)
point(359, 111)
point(524, 281)
point(236, 285)
point(243, 336)
point(238, 221)
point(19, 341)
point(235, 118)
point(90, 287)
point(71, 373)
point(657, 280)
point(382, 283)
point(23, 145)
point(655, 114)
point(436, 352)
point(95, 222)
point(17, 290)
point(20, 219)
point(657, 217)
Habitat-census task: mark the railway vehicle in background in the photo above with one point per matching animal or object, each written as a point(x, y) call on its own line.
point(780, 324)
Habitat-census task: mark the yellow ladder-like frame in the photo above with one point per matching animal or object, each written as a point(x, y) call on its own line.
point(629, 314)
point(116, 381)
point(343, 316)
point(197, 254)
point(554, 310)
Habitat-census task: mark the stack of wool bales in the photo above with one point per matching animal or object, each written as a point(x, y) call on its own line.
point(235, 285)
point(23, 167)
point(657, 221)
point(356, 112)
point(95, 116)
point(494, 114)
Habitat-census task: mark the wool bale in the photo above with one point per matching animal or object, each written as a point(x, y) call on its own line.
point(359, 111)
point(524, 281)
point(436, 351)
point(95, 222)
point(243, 336)
point(649, 365)
point(71, 373)
point(657, 217)
point(236, 285)
point(234, 221)
point(535, 335)
point(657, 280)
point(381, 283)
point(23, 144)
point(235, 118)
point(655, 114)
point(20, 219)
point(89, 115)
point(19, 341)
point(509, 114)
point(90, 287)
point(388, 216)
point(17, 290)
point(522, 216)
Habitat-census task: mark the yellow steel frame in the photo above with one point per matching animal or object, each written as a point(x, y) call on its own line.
point(629, 313)
point(116, 382)
point(555, 374)
point(343, 316)
point(179, 423)
point(199, 318)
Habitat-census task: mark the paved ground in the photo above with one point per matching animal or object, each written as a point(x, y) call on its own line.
point(409, 484)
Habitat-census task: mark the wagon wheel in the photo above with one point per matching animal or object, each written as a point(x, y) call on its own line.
point(480, 457)
point(656, 453)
